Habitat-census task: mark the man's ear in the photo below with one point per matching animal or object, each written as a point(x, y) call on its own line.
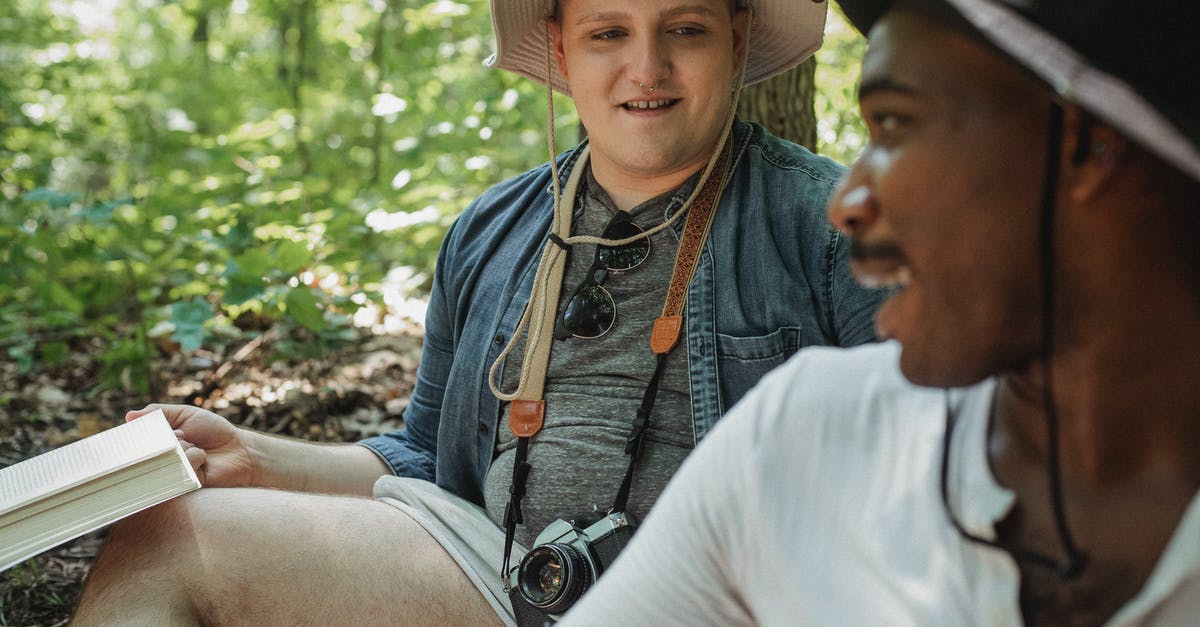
point(556, 45)
point(741, 39)
point(1097, 151)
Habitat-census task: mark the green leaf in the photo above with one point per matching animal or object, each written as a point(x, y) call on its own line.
point(302, 307)
point(254, 263)
point(103, 212)
point(290, 256)
point(242, 290)
point(62, 297)
point(241, 236)
point(189, 318)
point(54, 352)
point(22, 353)
point(56, 199)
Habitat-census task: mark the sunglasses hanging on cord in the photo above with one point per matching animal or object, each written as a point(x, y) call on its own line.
point(591, 311)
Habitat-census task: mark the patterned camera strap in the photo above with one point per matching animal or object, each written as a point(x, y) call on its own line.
point(526, 415)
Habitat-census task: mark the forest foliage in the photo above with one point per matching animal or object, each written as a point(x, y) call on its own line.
point(187, 171)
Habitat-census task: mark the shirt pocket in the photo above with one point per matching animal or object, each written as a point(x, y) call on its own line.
point(742, 361)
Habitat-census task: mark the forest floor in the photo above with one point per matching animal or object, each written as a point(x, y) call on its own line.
point(353, 391)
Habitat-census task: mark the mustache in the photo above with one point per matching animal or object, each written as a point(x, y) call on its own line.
point(863, 251)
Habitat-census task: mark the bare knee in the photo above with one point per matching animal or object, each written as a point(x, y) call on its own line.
point(157, 559)
point(169, 533)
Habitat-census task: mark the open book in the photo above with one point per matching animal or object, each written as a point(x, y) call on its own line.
point(65, 493)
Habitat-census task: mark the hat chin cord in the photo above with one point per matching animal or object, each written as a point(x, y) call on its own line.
point(1073, 563)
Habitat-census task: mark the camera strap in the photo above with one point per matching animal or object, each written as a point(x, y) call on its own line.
point(664, 336)
point(525, 416)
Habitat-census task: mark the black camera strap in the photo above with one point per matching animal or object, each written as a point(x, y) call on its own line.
point(637, 434)
point(512, 512)
point(526, 416)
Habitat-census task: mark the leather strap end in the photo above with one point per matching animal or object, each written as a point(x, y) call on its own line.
point(665, 334)
point(525, 417)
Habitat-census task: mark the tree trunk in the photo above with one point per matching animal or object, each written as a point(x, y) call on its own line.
point(296, 75)
point(377, 66)
point(200, 37)
point(784, 104)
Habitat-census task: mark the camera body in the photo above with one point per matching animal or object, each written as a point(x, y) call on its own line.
point(564, 562)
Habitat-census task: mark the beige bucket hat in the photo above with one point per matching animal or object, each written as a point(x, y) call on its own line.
point(783, 33)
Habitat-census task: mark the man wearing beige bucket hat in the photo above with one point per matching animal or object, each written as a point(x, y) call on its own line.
point(1026, 448)
point(590, 318)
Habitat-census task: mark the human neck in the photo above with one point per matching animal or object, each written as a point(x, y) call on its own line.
point(1127, 400)
point(628, 189)
point(1129, 469)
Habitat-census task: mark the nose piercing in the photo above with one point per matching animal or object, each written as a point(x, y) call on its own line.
point(651, 89)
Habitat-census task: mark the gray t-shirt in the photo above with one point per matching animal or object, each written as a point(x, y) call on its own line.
point(595, 387)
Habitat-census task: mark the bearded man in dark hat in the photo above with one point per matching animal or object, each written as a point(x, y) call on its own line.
point(1025, 449)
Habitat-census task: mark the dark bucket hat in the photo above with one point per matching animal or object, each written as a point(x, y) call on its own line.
point(1135, 65)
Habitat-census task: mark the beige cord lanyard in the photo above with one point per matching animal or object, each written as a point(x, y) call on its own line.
point(527, 412)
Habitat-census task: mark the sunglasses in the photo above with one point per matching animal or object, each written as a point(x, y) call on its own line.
point(591, 310)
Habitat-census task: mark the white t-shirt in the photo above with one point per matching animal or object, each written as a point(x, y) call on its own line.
point(816, 501)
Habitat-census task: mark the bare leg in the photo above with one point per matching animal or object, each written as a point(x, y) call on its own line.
point(267, 557)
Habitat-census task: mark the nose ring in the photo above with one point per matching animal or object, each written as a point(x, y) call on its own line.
point(651, 89)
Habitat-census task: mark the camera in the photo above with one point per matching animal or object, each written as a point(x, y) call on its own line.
point(563, 563)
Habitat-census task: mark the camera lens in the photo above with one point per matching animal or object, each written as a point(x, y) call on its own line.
point(552, 577)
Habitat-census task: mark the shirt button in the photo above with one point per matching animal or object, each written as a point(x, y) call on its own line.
point(498, 340)
point(483, 428)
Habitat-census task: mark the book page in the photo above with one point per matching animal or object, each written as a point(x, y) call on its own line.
point(76, 463)
point(139, 488)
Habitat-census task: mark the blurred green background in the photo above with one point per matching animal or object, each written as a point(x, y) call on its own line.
point(192, 171)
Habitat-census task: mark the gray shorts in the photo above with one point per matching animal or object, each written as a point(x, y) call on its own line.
point(462, 528)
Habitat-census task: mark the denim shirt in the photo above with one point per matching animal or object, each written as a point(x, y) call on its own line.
point(772, 278)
